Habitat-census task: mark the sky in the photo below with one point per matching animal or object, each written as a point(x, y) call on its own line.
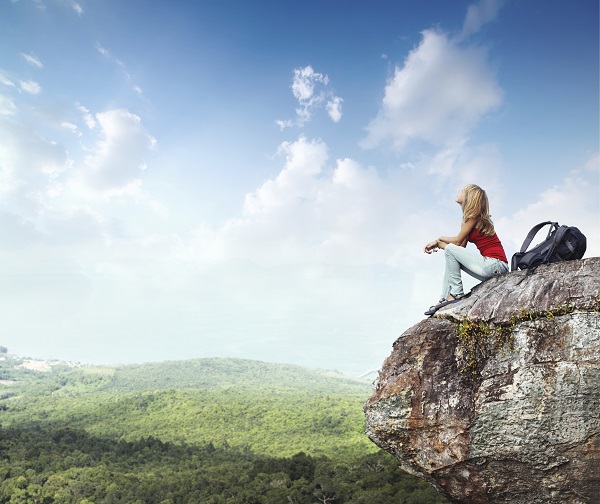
point(257, 180)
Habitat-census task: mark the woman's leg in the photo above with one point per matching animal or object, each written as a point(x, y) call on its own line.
point(470, 261)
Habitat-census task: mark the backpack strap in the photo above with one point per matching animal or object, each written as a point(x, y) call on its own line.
point(570, 246)
point(557, 239)
point(534, 231)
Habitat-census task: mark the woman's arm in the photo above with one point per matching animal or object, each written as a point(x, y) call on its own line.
point(460, 239)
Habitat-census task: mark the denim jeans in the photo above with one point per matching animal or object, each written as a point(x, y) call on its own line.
point(470, 261)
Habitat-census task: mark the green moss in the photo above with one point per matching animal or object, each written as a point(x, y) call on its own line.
point(479, 339)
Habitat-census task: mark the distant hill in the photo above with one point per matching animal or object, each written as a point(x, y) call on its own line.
point(203, 430)
point(205, 374)
point(269, 408)
point(241, 373)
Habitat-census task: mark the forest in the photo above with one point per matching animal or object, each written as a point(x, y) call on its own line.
point(199, 431)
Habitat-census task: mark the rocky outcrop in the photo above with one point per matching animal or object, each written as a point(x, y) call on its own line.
point(496, 398)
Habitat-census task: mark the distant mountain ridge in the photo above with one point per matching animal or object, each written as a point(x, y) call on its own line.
point(269, 408)
point(227, 372)
point(205, 373)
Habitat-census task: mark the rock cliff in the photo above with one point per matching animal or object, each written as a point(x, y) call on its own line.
point(496, 398)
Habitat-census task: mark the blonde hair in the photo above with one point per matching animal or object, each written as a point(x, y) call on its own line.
point(475, 205)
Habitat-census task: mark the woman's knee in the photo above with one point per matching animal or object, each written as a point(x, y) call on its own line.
point(449, 251)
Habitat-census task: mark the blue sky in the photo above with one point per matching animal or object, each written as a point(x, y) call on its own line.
point(258, 179)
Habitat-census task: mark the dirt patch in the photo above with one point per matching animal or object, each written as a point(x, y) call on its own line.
point(36, 365)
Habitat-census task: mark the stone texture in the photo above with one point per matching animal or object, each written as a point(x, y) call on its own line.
point(524, 426)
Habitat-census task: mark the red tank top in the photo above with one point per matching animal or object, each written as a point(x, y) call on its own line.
point(489, 246)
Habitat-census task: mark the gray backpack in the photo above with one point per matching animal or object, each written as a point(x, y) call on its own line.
point(563, 243)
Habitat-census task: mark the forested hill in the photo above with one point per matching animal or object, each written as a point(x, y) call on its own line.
point(268, 408)
point(205, 374)
point(218, 373)
point(218, 431)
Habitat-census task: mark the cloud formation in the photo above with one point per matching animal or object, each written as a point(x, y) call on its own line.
point(317, 211)
point(439, 94)
point(478, 15)
point(7, 105)
point(309, 88)
point(32, 60)
point(334, 108)
point(30, 87)
point(56, 195)
point(77, 8)
point(115, 164)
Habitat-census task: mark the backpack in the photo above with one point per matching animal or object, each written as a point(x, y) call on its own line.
point(563, 243)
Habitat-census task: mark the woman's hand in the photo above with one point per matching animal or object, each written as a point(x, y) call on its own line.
point(432, 247)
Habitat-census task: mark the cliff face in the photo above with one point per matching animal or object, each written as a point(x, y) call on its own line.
point(496, 399)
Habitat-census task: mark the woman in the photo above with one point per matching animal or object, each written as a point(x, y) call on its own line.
point(487, 261)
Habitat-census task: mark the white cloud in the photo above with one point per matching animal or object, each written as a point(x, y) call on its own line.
point(442, 91)
point(303, 85)
point(29, 166)
point(30, 87)
point(88, 118)
point(313, 212)
point(116, 161)
point(77, 8)
point(281, 124)
point(285, 271)
point(102, 50)
point(39, 177)
point(478, 15)
point(6, 81)
point(311, 244)
point(71, 127)
point(53, 201)
point(334, 109)
point(593, 163)
point(7, 106)
point(460, 164)
point(32, 60)
point(308, 87)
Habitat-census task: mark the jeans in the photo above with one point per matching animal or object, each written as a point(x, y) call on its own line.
point(470, 261)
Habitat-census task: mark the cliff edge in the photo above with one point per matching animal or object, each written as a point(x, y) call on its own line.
point(496, 398)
